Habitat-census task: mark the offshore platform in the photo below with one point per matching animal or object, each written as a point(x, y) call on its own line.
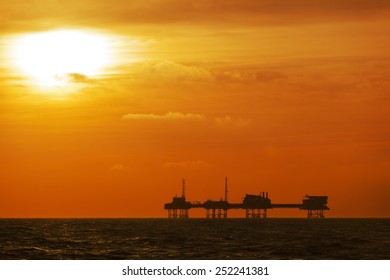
point(255, 206)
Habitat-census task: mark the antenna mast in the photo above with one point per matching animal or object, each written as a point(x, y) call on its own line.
point(226, 188)
point(183, 195)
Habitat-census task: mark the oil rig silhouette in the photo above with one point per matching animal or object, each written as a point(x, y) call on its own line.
point(255, 206)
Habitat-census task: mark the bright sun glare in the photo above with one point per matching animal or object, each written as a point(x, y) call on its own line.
point(50, 57)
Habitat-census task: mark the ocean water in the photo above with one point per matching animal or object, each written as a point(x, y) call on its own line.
point(194, 239)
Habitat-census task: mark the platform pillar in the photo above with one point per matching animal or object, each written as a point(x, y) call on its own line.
point(178, 213)
point(172, 213)
point(315, 214)
point(183, 213)
point(216, 213)
point(256, 213)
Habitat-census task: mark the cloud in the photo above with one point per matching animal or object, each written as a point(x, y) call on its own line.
point(187, 164)
point(248, 75)
point(167, 116)
point(166, 70)
point(228, 120)
point(152, 72)
point(118, 167)
point(79, 78)
point(222, 121)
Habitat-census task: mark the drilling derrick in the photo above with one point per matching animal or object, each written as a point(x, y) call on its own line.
point(179, 207)
point(217, 208)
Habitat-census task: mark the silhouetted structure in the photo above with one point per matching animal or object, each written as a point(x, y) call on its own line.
point(315, 206)
point(179, 207)
point(217, 208)
point(255, 206)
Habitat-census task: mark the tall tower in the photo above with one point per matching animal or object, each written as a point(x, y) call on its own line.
point(226, 188)
point(183, 194)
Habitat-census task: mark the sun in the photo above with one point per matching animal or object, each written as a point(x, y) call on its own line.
point(51, 58)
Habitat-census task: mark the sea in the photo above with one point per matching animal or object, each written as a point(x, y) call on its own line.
point(192, 239)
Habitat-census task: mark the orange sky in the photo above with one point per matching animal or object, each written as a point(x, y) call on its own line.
point(289, 97)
